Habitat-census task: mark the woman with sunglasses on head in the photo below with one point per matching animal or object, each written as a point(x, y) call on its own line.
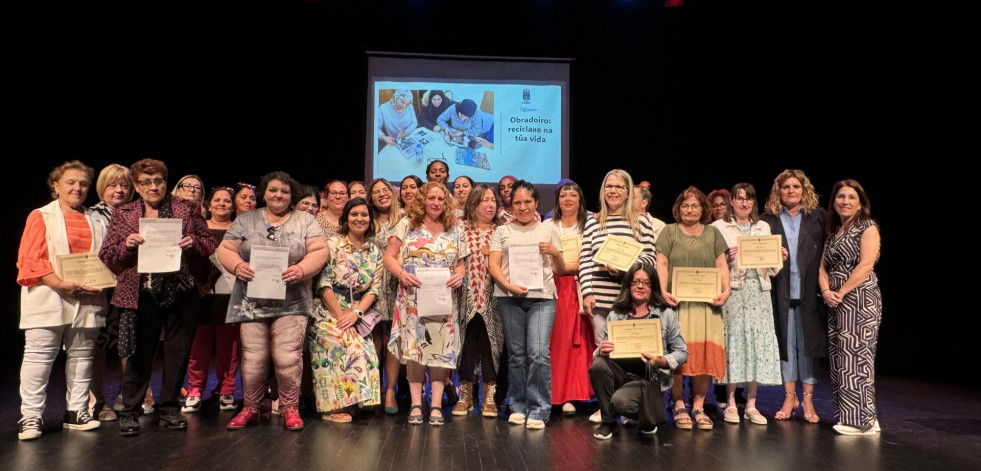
point(213, 332)
point(273, 330)
point(343, 358)
point(692, 242)
point(244, 198)
point(152, 302)
point(55, 311)
point(617, 216)
point(437, 170)
point(329, 217)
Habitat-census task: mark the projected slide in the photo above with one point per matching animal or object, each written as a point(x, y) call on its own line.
point(482, 130)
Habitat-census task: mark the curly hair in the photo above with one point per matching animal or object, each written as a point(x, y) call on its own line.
point(281, 176)
point(416, 210)
point(148, 167)
point(808, 197)
point(689, 192)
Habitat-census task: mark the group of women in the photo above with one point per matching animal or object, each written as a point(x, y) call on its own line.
point(431, 277)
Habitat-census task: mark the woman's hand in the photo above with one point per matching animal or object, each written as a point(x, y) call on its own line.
point(671, 299)
point(721, 298)
point(784, 253)
point(133, 241)
point(455, 281)
point(613, 270)
point(389, 140)
point(70, 289)
point(292, 274)
point(546, 248)
point(243, 271)
point(731, 253)
point(515, 289)
point(588, 304)
point(606, 347)
point(408, 279)
point(346, 320)
point(656, 360)
point(831, 298)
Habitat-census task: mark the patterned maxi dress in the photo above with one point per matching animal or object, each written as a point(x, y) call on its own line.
point(853, 330)
point(429, 341)
point(345, 365)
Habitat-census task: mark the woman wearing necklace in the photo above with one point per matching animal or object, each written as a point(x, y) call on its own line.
point(212, 331)
point(480, 324)
point(573, 340)
point(273, 329)
point(752, 354)
point(343, 358)
point(527, 314)
point(691, 243)
point(427, 237)
point(617, 383)
point(332, 206)
point(850, 288)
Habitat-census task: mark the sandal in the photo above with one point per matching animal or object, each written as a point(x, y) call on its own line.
point(341, 417)
point(682, 422)
point(812, 417)
point(702, 419)
point(436, 420)
point(781, 415)
point(415, 419)
point(731, 415)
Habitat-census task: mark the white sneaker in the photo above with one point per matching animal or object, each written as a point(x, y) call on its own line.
point(876, 427)
point(596, 418)
point(29, 428)
point(516, 418)
point(192, 404)
point(227, 402)
point(535, 424)
point(849, 430)
point(568, 409)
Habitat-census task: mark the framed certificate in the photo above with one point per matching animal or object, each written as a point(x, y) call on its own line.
point(633, 336)
point(571, 245)
point(759, 252)
point(619, 252)
point(696, 283)
point(85, 269)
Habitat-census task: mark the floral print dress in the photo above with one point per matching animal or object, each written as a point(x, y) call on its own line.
point(345, 365)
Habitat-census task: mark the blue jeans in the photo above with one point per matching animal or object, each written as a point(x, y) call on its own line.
point(527, 324)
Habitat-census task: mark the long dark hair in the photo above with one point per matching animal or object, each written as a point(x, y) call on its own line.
point(351, 203)
point(581, 214)
point(864, 213)
point(624, 303)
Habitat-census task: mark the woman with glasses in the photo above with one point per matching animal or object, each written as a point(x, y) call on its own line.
point(330, 218)
point(308, 200)
point(152, 302)
point(114, 186)
point(752, 355)
point(850, 288)
point(344, 361)
point(691, 243)
point(396, 118)
point(56, 311)
point(273, 330)
point(213, 332)
point(428, 238)
point(526, 304)
point(190, 187)
point(386, 213)
point(718, 203)
point(801, 319)
point(408, 189)
point(244, 198)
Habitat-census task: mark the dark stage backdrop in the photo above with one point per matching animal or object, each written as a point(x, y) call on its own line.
point(708, 94)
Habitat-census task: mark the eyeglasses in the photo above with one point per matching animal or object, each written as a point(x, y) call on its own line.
point(337, 193)
point(740, 199)
point(693, 207)
point(246, 185)
point(271, 233)
point(382, 191)
point(307, 204)
point(616, 188)
point(147, 182)
point(720, 205)
point(644, 283)
point(190, 187)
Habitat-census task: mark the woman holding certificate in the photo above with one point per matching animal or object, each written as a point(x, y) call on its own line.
point(616, 221)
point(523, 256)
point(752, 355)
point(572, 344)
point(56, 311)
point(159, 248)
point(424, 327)
point(693, 243)
point(345, 365)
point(850, 288)
point(273, 251)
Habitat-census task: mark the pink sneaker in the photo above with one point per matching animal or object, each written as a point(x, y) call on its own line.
point(291, 417)
point(248, 416)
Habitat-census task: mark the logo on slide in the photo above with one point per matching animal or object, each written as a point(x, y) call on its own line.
point(526, 96)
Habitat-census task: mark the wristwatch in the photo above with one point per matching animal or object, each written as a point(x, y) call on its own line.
point(359, 312)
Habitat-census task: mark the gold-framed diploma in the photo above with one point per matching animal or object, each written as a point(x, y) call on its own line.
point(696, 283)
point(571, 245)
point(759, 251)
point(85, 269)
point(619, 252)
point(632, 337)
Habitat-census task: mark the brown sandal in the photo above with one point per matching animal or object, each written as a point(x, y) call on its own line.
point(682, 422)
point(702, 420)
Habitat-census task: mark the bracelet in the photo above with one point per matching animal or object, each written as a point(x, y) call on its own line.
point(400, 273)
point(825, 289)
point(727, 290)
point(302, 273)
point(235, 270)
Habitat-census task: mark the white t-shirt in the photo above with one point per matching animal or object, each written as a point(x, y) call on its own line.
point(509, 234)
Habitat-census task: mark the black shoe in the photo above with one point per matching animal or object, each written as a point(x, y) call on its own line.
point(79, 420)
point(605, 431)
point(173, 420)
point(451, 395)
point(129, 424)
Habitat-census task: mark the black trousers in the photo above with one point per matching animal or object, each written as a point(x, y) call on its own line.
point(179, 322)
point(476, 346)
point(618, 391)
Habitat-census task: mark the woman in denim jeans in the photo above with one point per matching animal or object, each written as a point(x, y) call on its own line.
point(527, 306)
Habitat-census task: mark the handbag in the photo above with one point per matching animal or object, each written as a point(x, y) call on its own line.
point(651, 411)
point(366, 323)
